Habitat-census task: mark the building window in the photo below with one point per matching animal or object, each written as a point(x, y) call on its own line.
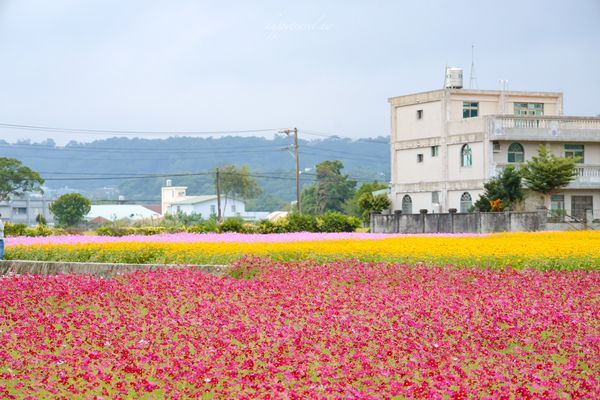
point(529, 109)
point(419, 158)
point(573, 151)
point(516, 153)
point(466, 157)
point(19, 210)
point(178, 209)
point(435, 151)
point(213, 209)
point(470, 109)
point(435, 197)
point(233, 208)
point(557, 202)
point(419, 114)
point(496, 146)
point(465, 202)
point(406, 205)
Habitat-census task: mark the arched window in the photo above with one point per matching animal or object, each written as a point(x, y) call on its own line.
point(466, 157)
point(516, 153)
point(465, 202)
point(406, 205)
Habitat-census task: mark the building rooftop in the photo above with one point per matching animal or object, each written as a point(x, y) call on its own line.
point(436, 94)
point(195, 199)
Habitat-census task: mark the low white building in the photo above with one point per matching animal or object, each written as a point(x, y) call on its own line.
point(114, 212)
point(207, 205)
point(174, 199)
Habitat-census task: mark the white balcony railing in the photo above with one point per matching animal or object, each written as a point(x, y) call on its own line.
point(588, 171)
point(546, 122)
point(585, 174)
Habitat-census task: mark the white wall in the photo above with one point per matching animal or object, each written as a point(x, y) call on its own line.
point(458, 173)
point(206, 208)
point(408, 126)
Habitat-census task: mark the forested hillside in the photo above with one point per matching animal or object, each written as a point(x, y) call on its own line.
point(137, 168)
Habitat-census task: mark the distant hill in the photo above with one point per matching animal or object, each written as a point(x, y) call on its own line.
point(137, 168)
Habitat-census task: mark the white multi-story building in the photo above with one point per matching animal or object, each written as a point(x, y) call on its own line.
point(445, 144)
point(25, 209)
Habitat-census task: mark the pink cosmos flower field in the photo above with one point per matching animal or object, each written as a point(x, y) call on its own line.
point(212, 238)
point(300, 330)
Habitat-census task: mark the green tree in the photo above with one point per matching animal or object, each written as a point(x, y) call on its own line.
point(70, 209)
point(17, 179)
point(353, 207)
point(308, 200)
point(333, 188)
point(546, 172)
point(237, 183)
point(369, 203)
point(505, 187)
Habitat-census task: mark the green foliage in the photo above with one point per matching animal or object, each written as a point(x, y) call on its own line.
point(279, 226)
point(333, 188)
point(505, 187)
point(308, 200)
point(182, 219)
point(11, 229)
point(546, 172)
point(302, 223)
point(234, 224)
point(333, 221)
point(331, 192)
point(17, 179)
point(40, 219)
point(70, 209)
point(367, 203)
point(353, 207)
point(238, 182)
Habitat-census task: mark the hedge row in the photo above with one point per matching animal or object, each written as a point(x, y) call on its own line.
point(328, 222)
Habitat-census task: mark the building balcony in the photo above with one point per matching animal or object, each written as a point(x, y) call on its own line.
point(588, 176)
point(543, 129)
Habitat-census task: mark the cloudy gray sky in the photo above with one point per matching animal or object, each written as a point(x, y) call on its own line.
point(327, 66)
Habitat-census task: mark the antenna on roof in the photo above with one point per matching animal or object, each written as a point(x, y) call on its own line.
point(473, 77)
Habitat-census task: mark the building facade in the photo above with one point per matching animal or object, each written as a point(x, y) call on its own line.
point(174, 199)
point(25, 209)
point(445, 144)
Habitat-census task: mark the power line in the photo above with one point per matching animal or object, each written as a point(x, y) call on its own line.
point(336, 136)
point(130, 132)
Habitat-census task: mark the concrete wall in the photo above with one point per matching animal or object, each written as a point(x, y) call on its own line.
point(22, 267)
point(459, 222)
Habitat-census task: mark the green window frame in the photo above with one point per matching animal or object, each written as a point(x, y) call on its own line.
point(516, 153)
point(529, 109)
point(470, 109)
point(575, 150)
point(435, 151)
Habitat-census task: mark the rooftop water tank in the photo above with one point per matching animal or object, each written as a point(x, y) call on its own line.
point(454, 78)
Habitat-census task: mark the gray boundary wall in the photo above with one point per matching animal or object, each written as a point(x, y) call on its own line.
point(478, 222)
point(22, 267)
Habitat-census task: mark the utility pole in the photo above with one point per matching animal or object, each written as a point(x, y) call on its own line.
point(288, 132)
point(217, 181)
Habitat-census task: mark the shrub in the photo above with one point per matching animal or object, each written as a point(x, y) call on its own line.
point(234, 224)
point(11, 229)
point(280, 226)
point(333, 221)
point(302, 223)
point(109, 230)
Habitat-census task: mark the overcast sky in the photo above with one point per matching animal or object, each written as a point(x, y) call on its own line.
point(327, 66)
